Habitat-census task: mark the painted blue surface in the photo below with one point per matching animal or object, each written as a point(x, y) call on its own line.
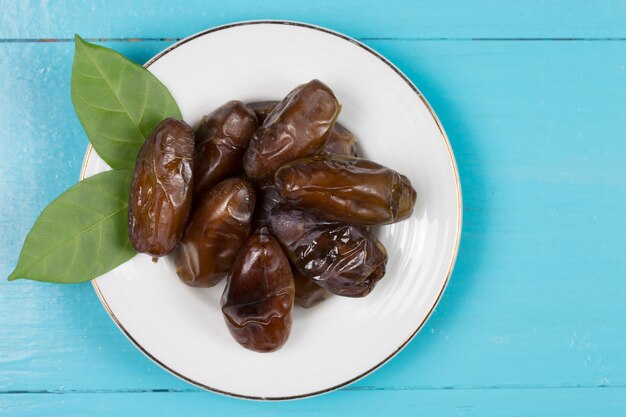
point(533, 97)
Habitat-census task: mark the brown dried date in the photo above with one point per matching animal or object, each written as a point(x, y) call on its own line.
point(345, 259)
point(340, 141)
point(308, 293)
point(262, 109)
point(161, 190)
point(221, 142)
point(258, 299)
point(218, 226)
point(347, 189)
point(267, 198)
point(298, 126)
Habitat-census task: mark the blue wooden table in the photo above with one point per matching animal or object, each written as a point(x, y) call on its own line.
point(533, 97)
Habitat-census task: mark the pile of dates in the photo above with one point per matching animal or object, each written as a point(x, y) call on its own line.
point(271, 196)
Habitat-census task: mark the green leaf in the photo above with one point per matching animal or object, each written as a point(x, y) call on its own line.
point(80, 235)
point(117, 101)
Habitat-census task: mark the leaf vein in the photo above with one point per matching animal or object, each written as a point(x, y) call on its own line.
point(70, 264)
point(72, 236)
point(115, 93)
point(97, 107)
point(143, 104)
point(114, 139)
point(106, 191)
point(99, 245)
point(72, 204)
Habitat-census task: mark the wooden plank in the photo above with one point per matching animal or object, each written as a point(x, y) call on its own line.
point(555, 402)
point(369, 19)
point(536, 299)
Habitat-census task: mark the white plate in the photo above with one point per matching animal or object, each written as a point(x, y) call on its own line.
point(182, 329)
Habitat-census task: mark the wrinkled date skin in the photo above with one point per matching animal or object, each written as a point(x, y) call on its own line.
point(297, 127)
point(218, 226)
point(340, 141)
point(347, 189)
point(308, 293)
point(258, 299)
point(161, 190)
point(221, 142)
point(262, 109)
point(345, 259)
point(267, 198)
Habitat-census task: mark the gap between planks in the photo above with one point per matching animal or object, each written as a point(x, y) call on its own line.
point(364, 388)
point(365, 39)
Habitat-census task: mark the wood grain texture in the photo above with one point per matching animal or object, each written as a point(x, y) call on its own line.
point(607, 402)
point(533, 322)
point(33, 19)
